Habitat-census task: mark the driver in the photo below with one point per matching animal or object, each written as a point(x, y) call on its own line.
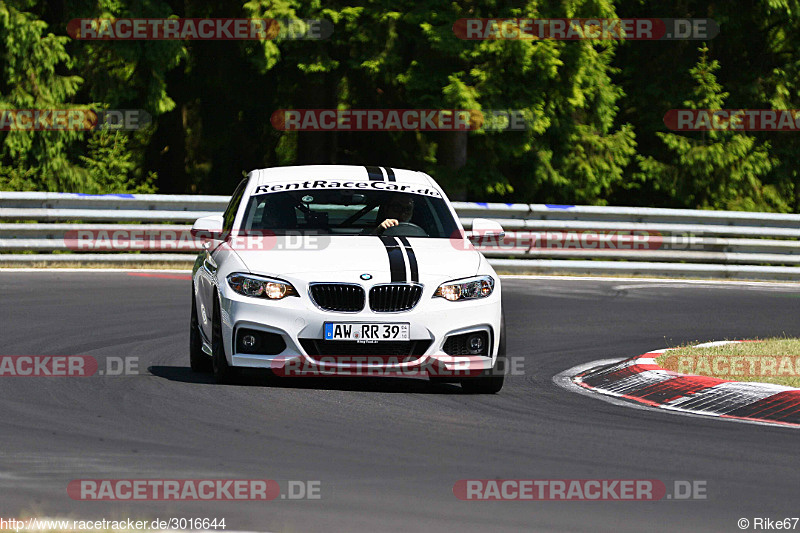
point(276, 215)
point(399, 209)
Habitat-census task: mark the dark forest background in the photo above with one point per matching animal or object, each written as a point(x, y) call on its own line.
point(599, 137)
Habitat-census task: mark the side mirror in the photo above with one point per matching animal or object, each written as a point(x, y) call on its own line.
point(208, 228)
point(485, 228)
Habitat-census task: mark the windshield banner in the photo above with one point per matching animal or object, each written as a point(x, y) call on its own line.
point(350, 184)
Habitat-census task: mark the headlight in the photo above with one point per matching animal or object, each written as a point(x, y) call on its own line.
point(258, 287)
point(466, 289)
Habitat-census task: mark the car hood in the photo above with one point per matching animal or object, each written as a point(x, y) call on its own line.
point(346, 258)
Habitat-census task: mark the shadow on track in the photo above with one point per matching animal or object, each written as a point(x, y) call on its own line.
point(263, 378)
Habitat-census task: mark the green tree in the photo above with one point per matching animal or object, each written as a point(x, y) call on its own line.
point(38, 73)
point(110, 163)
point(30, 61)
point(718, 169)
point(407, 56)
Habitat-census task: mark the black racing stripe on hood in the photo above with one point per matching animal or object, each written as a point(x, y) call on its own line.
point(375, 174)
point(390, 173)
point(397, 265)
point(412, 259)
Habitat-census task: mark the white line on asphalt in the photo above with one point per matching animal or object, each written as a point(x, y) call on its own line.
point(650, 282)
point(642, 282)
point(123, 270)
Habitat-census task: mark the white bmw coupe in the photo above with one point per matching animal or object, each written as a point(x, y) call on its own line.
point(345, 271)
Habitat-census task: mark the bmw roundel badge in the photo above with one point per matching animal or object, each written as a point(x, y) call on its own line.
point(366, 276)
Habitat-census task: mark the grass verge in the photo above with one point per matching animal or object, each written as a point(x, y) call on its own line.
point(773, 360)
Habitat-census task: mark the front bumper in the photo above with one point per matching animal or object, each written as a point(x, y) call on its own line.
point(294, 318)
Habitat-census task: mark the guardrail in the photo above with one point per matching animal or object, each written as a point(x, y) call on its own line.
point(539, 237)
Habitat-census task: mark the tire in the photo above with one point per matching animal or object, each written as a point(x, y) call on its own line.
point(491, 381)
point(198, 360)
point(223, 372)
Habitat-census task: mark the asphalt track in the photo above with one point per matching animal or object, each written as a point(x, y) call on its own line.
point(387, 452)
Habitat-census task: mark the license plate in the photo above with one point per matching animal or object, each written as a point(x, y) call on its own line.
point(349, 331)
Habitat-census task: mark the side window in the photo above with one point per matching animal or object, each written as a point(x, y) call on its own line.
point(233, 206)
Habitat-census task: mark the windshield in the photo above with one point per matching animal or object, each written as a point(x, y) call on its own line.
point(345, 212)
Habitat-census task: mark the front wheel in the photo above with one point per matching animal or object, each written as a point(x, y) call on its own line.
point(199, 361)
point(223, 372)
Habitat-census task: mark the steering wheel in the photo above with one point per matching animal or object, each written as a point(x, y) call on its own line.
point(404, 229)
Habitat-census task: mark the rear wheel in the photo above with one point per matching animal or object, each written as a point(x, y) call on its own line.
point(198, 359)
point(491, 381)
point(223, 372)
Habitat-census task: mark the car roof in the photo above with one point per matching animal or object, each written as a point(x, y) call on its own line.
point(341, 172)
